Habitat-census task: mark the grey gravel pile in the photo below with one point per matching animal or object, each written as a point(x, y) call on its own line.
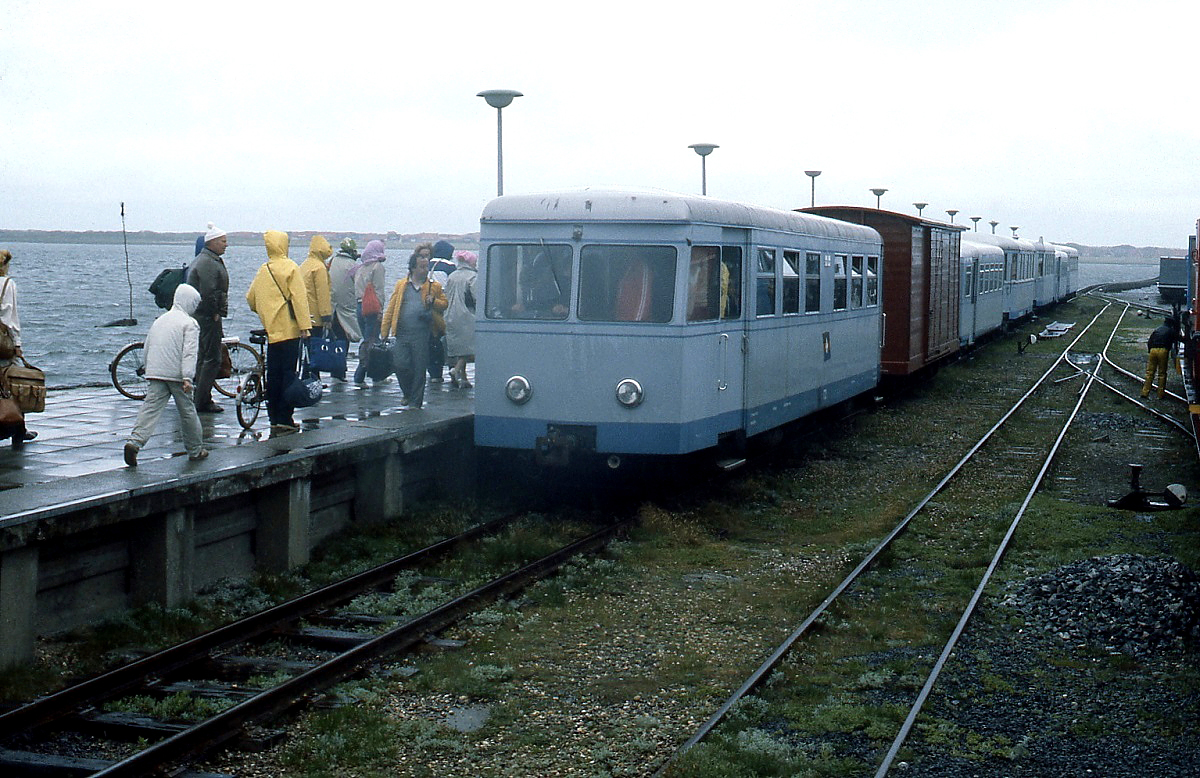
point(1130, 603)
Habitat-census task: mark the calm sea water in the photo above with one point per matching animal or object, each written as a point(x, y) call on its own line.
point(68, 291)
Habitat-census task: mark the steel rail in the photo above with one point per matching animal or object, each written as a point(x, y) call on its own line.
point(229, 723)
point(969, 611)
point(756, 677)
point(67, 701)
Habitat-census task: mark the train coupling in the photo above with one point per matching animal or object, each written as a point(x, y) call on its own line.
point(1138, 499)
point(555, 448)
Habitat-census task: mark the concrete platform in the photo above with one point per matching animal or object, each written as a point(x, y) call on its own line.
point(83, 536)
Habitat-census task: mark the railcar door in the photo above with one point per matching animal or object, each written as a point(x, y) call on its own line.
point(715, 375)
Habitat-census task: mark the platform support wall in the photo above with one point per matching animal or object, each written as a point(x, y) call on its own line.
point(163, 559)
point(379, 489)
point(18, 604)
point(281, 541)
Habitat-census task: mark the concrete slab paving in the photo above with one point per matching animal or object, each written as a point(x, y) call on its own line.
point(83, 431)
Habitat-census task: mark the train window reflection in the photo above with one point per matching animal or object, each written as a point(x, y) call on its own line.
point(812, 282)
point(791, 281)
point(839, 282)
point(528, 281)
point(856, 282)
point(714, 283)
point(872, 282)
point(765, 284)
point(626, 283)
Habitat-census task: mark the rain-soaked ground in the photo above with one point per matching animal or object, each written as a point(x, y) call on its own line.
point(83, 431)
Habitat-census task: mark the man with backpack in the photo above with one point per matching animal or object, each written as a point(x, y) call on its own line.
point(209, 276)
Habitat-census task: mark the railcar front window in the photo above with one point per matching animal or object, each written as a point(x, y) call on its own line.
point(714, 283)
point(765, 284)
point(626, 283)
point(839, 282)
point(528, 281)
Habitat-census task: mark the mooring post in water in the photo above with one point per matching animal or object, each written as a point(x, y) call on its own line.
point(130, 322)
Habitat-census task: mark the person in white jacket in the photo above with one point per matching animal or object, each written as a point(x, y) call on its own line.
point(170, 352)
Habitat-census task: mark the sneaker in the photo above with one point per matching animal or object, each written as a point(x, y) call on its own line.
point(131, 452)
point(201, 454)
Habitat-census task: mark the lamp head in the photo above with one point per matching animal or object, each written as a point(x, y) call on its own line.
point(703, 149)
point(499, 98)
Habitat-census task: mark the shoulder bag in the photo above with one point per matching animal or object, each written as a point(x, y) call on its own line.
point(327, 353)
point(370, 301)
point(26, 384)
point(303, 392)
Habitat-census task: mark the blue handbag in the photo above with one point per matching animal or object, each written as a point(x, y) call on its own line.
point(328, 354)
point(303, 392)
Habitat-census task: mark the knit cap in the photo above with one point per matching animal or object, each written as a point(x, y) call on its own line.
point(213, 233)
point(349, 248)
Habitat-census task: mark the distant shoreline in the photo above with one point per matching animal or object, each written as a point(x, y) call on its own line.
point(148, 238)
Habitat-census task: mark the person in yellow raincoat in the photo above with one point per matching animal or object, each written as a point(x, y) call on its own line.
point(315, 275)
point(278, 296)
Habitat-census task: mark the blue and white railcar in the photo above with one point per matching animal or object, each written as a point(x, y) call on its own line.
point(1044, 276)
point(622, 322)
point(1018, 273)
point(982, 309)
point(1066, 268)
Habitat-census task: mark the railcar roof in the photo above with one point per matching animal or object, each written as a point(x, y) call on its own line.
point(862, 212)
point(1003, 241)
point(648, 205)
point(970, 248)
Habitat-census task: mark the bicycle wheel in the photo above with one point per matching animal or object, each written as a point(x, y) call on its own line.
point(128, 371)
point(243, 361)
point(250, 400)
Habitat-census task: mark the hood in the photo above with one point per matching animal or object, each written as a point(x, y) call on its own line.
point(319, 248)
point(277, 244)
point(374, 252)
point(443, 249)
point(187, 299)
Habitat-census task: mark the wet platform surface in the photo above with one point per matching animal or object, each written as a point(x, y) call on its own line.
point(83, 432)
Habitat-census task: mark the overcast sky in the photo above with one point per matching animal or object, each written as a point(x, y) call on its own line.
point(1076, 120)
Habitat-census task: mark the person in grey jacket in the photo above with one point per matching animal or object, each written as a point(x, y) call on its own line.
point(208, 276)
point(171, 347)
point(341, 290)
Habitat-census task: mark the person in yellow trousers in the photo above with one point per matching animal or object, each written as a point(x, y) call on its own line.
point(315, 275)
point(278, 296)
point(1161, 345)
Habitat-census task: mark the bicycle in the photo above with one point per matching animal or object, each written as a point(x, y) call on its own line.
point(252, 388)
point(128, 368)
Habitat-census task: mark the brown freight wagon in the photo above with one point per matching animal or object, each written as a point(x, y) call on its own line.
point(920, 285)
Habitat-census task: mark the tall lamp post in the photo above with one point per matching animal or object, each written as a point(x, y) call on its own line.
point(993, 222)
point(703, 149)
point(920, 207)
point(878, 194)
point(499, 99)
point(813, 175)
point(1014, 229)
point(953, 212)
point(976, 219)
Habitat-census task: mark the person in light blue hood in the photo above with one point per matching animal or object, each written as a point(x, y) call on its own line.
point(171, 348)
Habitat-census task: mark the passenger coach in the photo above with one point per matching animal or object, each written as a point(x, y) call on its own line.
point(638, 322)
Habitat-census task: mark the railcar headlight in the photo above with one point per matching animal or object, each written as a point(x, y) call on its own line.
point(518, 390)
point(629, 393)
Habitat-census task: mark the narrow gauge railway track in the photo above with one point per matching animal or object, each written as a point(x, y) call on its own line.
point(76, 708)
point(1018, 453)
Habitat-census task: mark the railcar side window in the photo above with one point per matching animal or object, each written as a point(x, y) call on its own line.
point(872, 282)
point(714, 283)
point(765, 284)
point(528, 281)
point(791, 282)
point(856, 282)
point(731, 282)
point(812, 283)
point(839, 282)
point(626, 283)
